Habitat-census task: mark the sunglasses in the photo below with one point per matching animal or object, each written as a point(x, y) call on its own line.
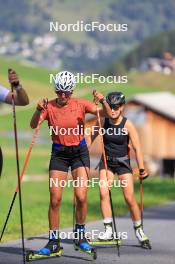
point(66, 93)
point(115, 107)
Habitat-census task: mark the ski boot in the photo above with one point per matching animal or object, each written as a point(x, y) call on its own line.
point(81, 243)
point(142, 238)
point(51, 250)
point(106, 237)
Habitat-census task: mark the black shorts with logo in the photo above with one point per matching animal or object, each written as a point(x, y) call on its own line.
point(116, 166)
point(69, 156)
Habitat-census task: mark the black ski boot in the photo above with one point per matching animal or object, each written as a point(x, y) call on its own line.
point(81, 243)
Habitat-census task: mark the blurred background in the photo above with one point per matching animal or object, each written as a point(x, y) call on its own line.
point(145, 53)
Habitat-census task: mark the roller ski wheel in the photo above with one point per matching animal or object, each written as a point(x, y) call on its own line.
point(146, 244)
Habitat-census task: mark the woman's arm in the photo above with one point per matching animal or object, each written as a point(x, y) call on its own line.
point(133, 135)
point(35, 119)
point(105, 111)
point(41, 106)
point(94, 133)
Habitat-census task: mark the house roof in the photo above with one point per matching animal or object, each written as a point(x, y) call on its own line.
point(161, 102)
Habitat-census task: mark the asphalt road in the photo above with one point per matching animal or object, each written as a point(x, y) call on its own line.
point(159, 225)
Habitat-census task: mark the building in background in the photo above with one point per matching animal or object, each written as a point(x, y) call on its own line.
point(153, 114)
point(164, 65)
point(154, 117)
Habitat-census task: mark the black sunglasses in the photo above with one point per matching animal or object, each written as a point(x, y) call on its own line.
point(66, 93)
point(116, 107)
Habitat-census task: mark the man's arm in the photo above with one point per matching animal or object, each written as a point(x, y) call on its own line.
point(20, 95)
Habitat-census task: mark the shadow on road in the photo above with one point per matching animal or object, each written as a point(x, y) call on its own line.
point(11, 250)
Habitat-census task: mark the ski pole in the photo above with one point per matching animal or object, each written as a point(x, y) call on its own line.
point(1, 161)
point(74, 210)
point(18, 170)
point(21, 176)
point(141, 200)
point(106, 169)
point(141, 197)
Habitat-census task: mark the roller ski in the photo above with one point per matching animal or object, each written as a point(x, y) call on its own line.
point(142, 238)
point(82, 244)
point(105, 242)
point(106, 237)
point(51, 250)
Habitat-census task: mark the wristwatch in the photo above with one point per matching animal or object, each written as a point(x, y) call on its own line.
point(18, 87)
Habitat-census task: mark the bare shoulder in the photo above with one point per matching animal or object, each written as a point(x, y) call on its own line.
point(129, 125)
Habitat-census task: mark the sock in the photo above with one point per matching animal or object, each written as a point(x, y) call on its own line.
point(137, 223)
point(54, 234)
point(79, 231)
point(79, 228)
point(107, 221)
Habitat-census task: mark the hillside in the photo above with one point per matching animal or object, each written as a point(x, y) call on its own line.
point(151, 47)
point(83, 51)
point(36, 82)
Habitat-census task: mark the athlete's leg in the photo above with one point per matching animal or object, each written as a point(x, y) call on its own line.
point(55, 187)
point(127, 184)
point(55, 196)
point(81, 174)
point(128, 191)
point(105, 204)
point(104, 193)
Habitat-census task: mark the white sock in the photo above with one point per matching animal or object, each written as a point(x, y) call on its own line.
point(137, 223)
point(107, 220)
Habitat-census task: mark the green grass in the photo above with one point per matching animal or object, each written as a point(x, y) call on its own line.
point(36, 200)
point(26, 72)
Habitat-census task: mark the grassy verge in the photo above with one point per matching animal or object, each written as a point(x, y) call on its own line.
point(36, 199)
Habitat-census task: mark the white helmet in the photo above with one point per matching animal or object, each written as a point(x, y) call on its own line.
point(65, 81)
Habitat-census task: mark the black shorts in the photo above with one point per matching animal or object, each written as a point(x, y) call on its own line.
point(119, 167)
point(73, 157)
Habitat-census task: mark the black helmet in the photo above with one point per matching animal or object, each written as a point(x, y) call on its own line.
point(115, 99)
